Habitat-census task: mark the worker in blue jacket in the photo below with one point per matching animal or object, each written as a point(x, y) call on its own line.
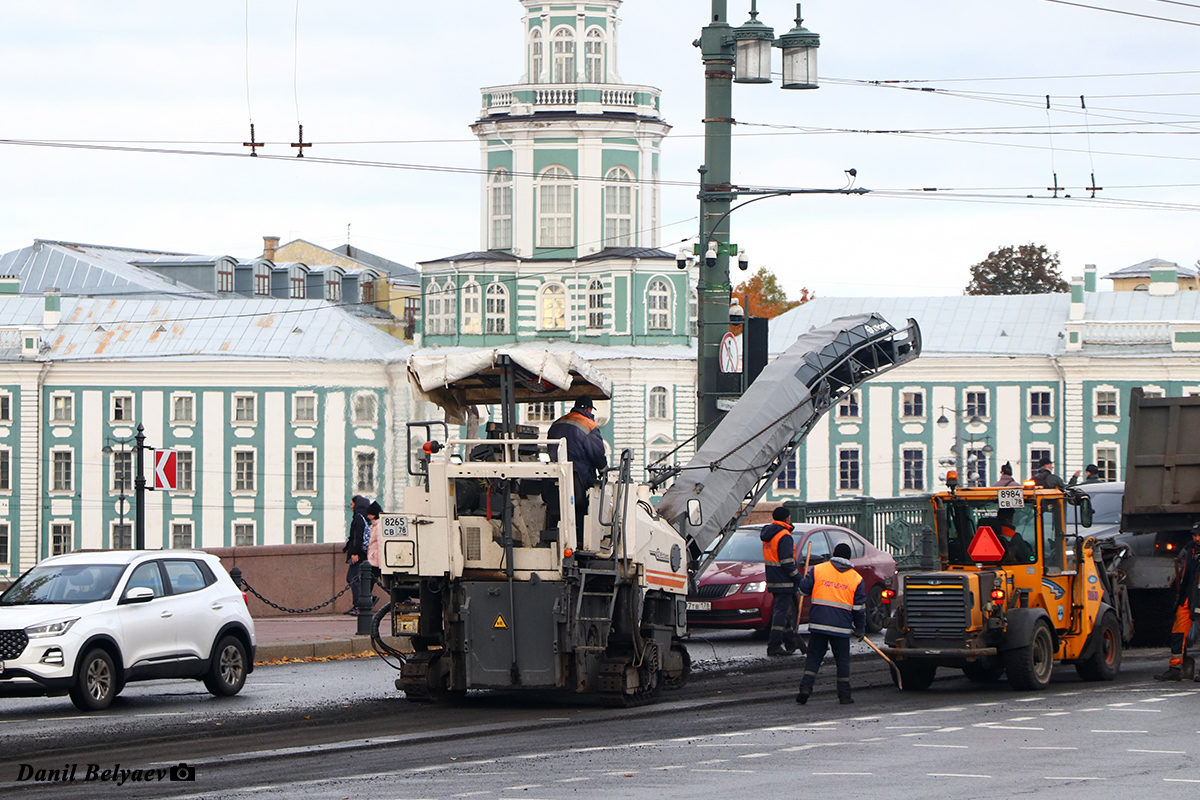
point(838, 612)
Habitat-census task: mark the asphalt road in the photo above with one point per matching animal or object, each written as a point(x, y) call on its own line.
point(327, 730)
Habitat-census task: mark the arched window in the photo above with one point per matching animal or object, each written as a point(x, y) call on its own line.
point(366, 287)
point(433, 308)
point(553, 308)
point(657, 407)
point(297, 282)
point(593, 49)
point(564, 56)
point(556, 208)
point(472, 317)
point(333, 285)
point(497, 308)
point(536, 57)
point(658, 306)
point(449, 307)
point(596, 304)
point(618, 208)
point(502, 200)
point(262, 279)
point(224, 276)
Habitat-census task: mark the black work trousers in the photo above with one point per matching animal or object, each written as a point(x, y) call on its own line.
point(840, 645)
point(783, 622)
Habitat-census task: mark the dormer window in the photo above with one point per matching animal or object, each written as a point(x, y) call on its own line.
point(224, 276)
point(262, 279)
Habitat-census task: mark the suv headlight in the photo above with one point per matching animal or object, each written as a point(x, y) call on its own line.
point(757, 587)
point(49, 629)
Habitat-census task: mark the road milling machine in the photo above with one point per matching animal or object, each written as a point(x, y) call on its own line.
point(511, 597)
point(1019, 589)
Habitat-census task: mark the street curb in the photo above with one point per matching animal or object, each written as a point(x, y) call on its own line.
point(326, 648)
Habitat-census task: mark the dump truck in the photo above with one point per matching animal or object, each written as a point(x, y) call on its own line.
point(1019, 588)
point(511, 597)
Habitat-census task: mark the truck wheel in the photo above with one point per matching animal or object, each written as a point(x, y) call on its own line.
point(95, 682)
point(985, 670)
point(914, 677)
point(875, 611)
point(1105, 662)
point(1029, 667)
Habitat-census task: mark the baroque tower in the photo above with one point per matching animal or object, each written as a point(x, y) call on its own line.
point(570, 153)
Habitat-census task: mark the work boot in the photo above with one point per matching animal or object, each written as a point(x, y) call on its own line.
point(1172, 674)
point(1188, 671)
point(779, 651)
point(846, 700)
point(802, 695)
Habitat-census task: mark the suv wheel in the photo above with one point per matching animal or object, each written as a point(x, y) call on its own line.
point(95, 681)
point(227, 673)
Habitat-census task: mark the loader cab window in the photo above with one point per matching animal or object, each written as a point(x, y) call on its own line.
point(1057, 547)
point(962, 519)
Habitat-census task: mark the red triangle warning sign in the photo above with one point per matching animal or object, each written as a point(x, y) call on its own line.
point(986, 545)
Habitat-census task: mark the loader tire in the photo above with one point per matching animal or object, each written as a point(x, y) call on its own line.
point(987, 669)
point(914, 677)
point(1105, 662)
point(1030, 667)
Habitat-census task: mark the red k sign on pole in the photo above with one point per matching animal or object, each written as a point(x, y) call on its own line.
point(164, 470)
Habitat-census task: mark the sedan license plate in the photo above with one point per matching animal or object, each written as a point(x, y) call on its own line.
point(699, 605)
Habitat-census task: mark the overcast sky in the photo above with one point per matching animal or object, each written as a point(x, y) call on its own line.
point(397, 82)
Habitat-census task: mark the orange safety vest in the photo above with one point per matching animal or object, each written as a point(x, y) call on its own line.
point(834, 588)
point(771, 547)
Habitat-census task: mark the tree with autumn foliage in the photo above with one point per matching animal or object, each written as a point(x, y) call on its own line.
point(764, 297)
point(1028, 269)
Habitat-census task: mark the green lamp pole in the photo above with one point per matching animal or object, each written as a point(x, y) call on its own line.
point(741, 55)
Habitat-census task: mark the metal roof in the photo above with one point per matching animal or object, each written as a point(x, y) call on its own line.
point(590, 352)
point(1142, 270)
point(109, 328)
point(88, 270)
point(1000, 325)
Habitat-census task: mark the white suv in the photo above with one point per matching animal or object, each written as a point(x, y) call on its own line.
point(87, 623)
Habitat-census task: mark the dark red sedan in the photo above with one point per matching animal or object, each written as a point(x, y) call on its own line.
point(732, 592)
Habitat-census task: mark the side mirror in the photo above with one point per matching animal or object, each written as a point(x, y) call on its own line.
point(695, 517)
point(1086, 513)
point(138, 594)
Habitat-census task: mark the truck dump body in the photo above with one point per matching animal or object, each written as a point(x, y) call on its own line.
point(1162, 481)
point(774, 415)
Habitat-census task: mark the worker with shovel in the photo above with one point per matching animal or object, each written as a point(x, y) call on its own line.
point(838, 612)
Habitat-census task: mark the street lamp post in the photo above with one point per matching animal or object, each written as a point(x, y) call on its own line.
point(741, 55)
point(961, 442)
point(139, 483)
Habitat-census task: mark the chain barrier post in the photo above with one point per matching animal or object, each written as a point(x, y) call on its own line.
point(366, 597)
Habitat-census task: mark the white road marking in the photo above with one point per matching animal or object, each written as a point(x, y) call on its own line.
point(1020, 719)
point(571, 780)
point(470, 794)
point(985, 705)
point(1139, 710)
point(534, 755)
point(748, 771)
point(754, 755)
point(843, 773)
point(1057, 714)
point(875, 739)
point(995, 726)
point(713, 761)
point(949, 746)
point(1163, 752)
point(1049, 748)
point(522, 787)
point(162, 714)
point(1073, 778)
point(800, 747)
point(1030, 700)
point(1104, 731)
point(1181, 780)
point(956, 775)
point(727, 744)
point(911, 727)
point(674, 766)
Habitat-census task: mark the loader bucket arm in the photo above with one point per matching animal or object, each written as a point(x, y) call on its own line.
point(732, 470)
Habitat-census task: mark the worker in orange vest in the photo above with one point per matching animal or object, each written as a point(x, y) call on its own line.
point(838, 612)
point(782, 576)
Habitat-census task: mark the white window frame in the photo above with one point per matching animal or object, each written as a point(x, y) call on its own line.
point(501, 209)
point(857, 451)
point(537, 56)
point(472, 308)
point(905, 449)
point(185, 455)
point(316, 409)
point(6, 405)
point(620, 207)
point(849, 407)
point(113, 402)
point(236, 479)
point(660, 303)
point(1047, 447)
point(556, 207)
point(356, 407)
point(597, 302)
point(693, 313)
point(6, 465)
point(235, 410)
point(553, 302)
point(987, 402)
point(449, 314)
point(540, 412)
point(985, 477)
point(1152, 390)
point(1049, 392)
point(177, 524)
point(304, 523)
point(1116, 404)
point(55, 489)
point(496, 308)
point(311, 453)
point(58, 399)
point(360, 487)
point(788, 477)
point(562, 55)
point(912, 390)
point(224, 271)
point(433, 308)
point(112, 533)
point(1116, 449)
point(594, 43)
point(658, 403)
point(191, 398)
point(115, 457)
point(297, 282)
point(5, 543)
point(243, 523)
point(262, 279)
point(60, 528)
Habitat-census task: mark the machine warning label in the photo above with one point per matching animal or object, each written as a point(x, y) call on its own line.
point(499, 623)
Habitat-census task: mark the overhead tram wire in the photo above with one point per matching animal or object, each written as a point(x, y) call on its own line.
point(1126, 13)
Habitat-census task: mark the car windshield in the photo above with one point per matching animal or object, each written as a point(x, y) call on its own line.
point(63, 584)
point(1106, 509)
point(744, 545)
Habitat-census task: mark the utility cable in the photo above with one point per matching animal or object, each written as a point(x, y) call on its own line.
point(1125, 13)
